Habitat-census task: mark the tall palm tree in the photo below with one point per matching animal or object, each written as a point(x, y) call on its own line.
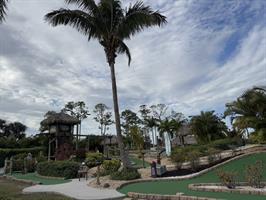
point(3, 7)
point(110, 24)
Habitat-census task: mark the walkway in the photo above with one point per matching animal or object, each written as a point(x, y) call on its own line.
point(76, 189)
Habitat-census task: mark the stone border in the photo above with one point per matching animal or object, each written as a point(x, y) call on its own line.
point(196, 187)
point(178, 196)
point(190, 176)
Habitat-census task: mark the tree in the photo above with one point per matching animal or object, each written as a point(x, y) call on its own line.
point(129, 119)
point(80, 111)
point(151, 123)
point(166, 132)
point(248, 112)
point(178, 120)
point(14, 129)
point(207, 127)
point(3, 8)
point(137, 137)
point(110, 24)
point(104, 118)
point(159, 111)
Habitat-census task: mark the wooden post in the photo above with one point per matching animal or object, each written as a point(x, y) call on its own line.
point(49, 150)
point(98, 175)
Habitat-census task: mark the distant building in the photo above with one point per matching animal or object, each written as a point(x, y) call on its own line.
point(184, 136)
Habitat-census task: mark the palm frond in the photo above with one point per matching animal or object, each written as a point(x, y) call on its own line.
point(88, 5)
point(123, 48)
point(137, 18)
point(3, 7)
point(78, 19)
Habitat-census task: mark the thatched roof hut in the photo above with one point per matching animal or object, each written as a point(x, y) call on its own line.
point(59, 118)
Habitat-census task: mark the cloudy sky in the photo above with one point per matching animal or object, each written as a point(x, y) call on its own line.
point(207, 55)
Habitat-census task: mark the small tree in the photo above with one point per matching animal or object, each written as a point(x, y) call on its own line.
point(80, 111)
point(254, 174)
point(228, 179)
point(137, 138)
point(104, 117)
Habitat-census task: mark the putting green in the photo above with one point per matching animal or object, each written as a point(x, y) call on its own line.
point(172, 187)
point(37, 179)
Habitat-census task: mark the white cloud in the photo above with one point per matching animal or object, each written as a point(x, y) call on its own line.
point(42, 67)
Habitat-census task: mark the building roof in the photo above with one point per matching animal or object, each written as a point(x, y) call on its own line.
point(59, 118)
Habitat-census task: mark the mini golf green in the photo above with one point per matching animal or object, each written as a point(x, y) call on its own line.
point(37, 179)
point(172, 187)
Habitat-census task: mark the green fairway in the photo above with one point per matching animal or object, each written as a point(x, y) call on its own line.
point(172, 187)
point(138, 162)
point(44, 181)
point(12, 190)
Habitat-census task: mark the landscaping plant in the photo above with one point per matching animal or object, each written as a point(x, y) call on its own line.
point(110, 166)
point(227, 179)
point(126, 174)
point(93, 158)
point(254, 174)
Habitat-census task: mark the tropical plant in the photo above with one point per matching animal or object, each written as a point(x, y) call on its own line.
point(80, 111)
point(248, 113)
point(3, 8)
point(13, 129)
point(208, 127)
point(110, 24)
point(137, 137)
point(104, 118)
point(254, 174)
point(151, 123)
point(129, 119)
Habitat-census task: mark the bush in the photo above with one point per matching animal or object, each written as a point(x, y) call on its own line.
point(213, 155)
point(227, 143)
point(126, 174)
point(66, 169)
point(178, 156)
point(110, 166)
point(93, 158)
point(193, 158)
point(254, 174)
point(8, 153)
point(227, 179)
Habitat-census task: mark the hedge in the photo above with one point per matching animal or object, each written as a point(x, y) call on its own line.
point(7, 153)
point(66, 169)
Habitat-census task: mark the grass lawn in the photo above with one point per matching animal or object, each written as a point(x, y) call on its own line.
point(138, 162)
point(172, 187)
point(33, 177)
point(12, 190)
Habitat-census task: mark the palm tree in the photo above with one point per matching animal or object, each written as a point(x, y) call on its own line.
point(151, 123)
point(110, 24)
point(249, 111)
point(3, 7)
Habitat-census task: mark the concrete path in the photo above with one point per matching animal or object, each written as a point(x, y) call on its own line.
point(76, 189)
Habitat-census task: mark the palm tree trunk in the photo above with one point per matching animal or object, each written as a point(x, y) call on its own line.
point(123, 154)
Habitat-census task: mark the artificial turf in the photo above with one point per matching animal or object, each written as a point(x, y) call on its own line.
point(172, 187)
point(37, 179)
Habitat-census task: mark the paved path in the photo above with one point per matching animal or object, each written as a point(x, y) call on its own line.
point(76, 189)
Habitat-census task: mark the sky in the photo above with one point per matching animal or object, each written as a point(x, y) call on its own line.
point(207, 54)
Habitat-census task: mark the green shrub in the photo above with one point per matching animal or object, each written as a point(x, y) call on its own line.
point(213, 155)
point(178, 156)
point(92, 159)
point(110, 166)
point(66, 169)
point(227, 179)
point(193, 158)
point(126, 174)
point(227, 143)
point(8, 153)
point(254, 174)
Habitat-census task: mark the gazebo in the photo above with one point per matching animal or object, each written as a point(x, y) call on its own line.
point(60, 127)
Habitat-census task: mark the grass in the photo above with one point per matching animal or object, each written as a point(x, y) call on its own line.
point(12, 190)
point(172, 187)
point(44, 181)
point(138, 162)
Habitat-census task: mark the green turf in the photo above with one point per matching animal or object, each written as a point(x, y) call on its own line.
point(172, 187)
point(12, 190)
point(138, 162)
point(33, 177)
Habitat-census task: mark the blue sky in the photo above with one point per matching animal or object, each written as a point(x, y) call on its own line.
point(207, 55)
